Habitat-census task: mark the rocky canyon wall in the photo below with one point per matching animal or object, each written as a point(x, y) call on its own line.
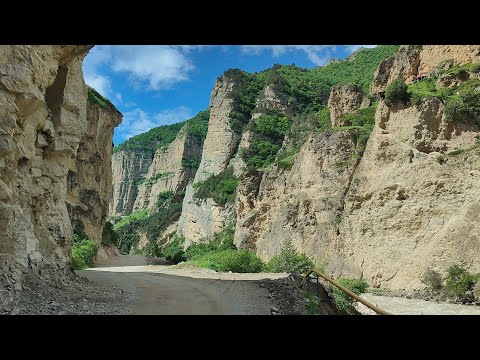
point(42, 121)
point(90, 183)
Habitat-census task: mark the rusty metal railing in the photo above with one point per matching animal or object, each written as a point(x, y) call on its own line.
point(306, 279)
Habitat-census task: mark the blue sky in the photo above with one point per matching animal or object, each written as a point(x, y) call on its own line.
point(155, 85)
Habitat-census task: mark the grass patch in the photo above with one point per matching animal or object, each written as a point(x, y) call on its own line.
point(238, 261)
point(83, 253)
point(94, 97)
point(469, 67)
point(440, 159)
point(137, 215)
point(313, 305)
point(287, 162)
point(343, 301)
point(379, 291)
point(220, 254)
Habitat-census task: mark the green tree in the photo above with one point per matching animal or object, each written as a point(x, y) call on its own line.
point(396, 93)
point(109, 236)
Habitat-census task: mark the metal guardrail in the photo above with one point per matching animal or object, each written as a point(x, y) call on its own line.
point(306, 279)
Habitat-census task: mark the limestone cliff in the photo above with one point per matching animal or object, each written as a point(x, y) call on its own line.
point(43, 119)
point(412, 206)
point(201, 220)
point(167, 166)
point(128, 168)
point(90, 183)
point(409, 204)
point(382, 195)
point(303, 204)
point(344, 99)
point(164, 161)
point(414, 60)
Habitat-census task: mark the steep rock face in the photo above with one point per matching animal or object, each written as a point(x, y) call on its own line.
point(432, 55)
point(221, 140)
point(301, 204)
point(410, 204)
point(344, 99)
point(128, 168)
point(167, 164)
point(413, 60)
point(202, 220)
point(90, 184)
point(43, 112)
point(138, 179)
point(411, 210)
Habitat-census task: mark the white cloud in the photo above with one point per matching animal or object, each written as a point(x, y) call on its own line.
point(100, 83)
point(138, 121)
point(353, 48)
point(151, 66)
point(118, 96)
point(317, 54)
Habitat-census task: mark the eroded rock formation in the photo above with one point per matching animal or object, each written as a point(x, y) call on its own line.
point(43, 118)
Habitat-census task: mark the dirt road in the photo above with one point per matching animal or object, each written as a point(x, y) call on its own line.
point(157, 291)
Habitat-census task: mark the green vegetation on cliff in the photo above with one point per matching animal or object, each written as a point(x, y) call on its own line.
point(198, 125)
point(137, 215)
point(304, 93)
point(94, 97)
point(277, 132)
point(246, 88)
point(310, 89)
point(461, 98)
point(161, 136)
point(150, 141)
point(221, 188)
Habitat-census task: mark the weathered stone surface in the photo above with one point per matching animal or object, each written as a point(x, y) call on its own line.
point(130, 167)
point(168, 161)
point(41, 92)
point(90, 182)
point(302, 204)
point(201, 221)
point(411, 211)
point(413, 60)
point(344, 99)
point(410, 204)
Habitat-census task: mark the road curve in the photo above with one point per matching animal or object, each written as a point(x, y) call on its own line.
point(157, 292)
